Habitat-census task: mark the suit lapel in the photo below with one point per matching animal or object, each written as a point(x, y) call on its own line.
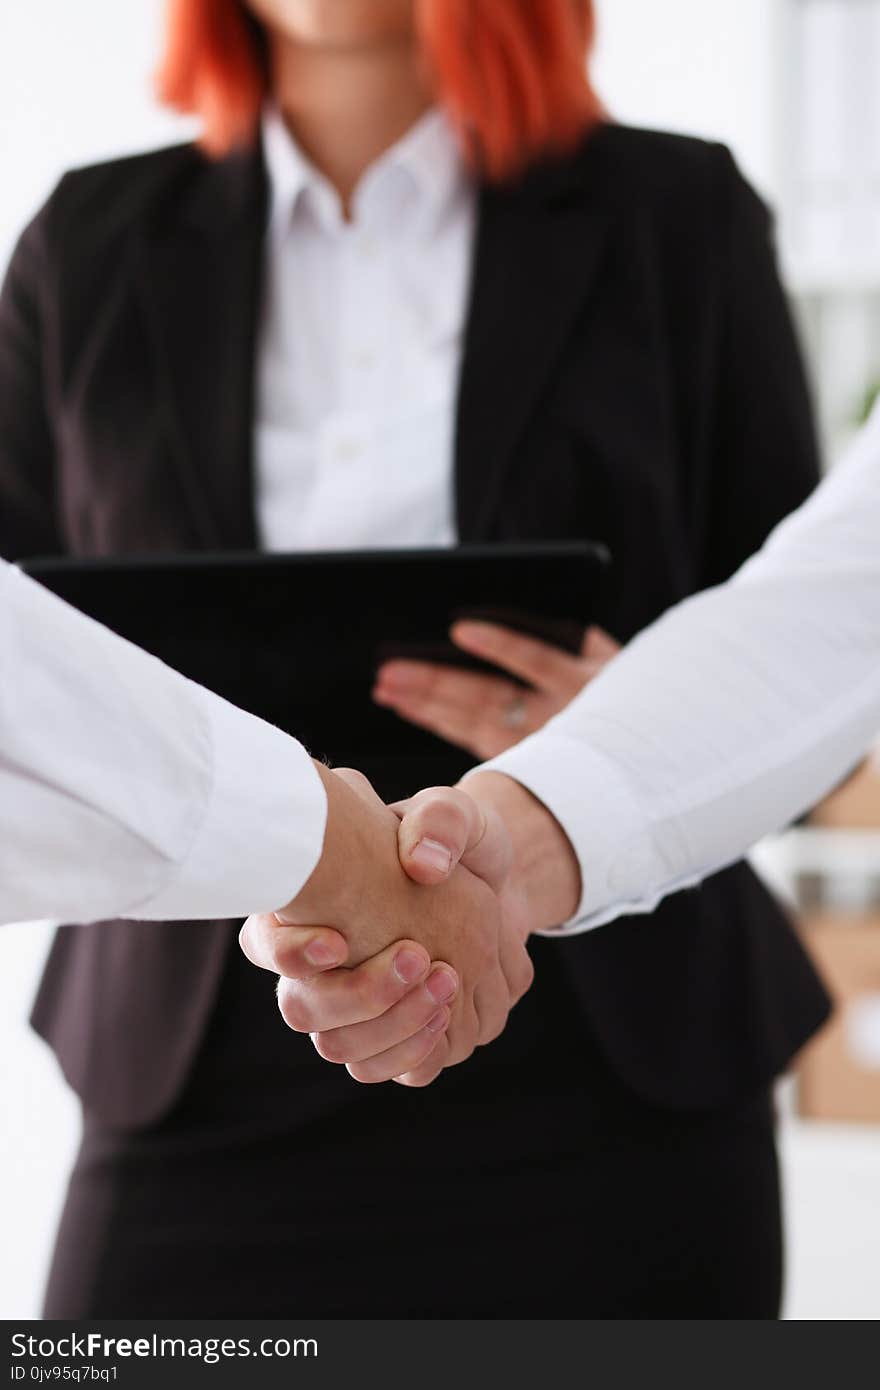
point(538, 251)
point(537, 254)
point(201, 268)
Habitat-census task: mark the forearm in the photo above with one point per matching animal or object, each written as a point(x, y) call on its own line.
point(352, 882)
point(125, 790)
point(731, 715)
point(545, 867)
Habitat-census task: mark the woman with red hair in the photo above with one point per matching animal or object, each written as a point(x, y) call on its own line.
point(412, 287)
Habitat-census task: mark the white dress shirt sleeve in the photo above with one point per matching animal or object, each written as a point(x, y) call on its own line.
point(731, 715)
point(127, 790)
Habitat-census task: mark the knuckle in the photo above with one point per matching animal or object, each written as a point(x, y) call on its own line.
point(419, 1050)
point(460, 1053)
point(522, 977)
point(247, 949)
point(352, 776)
point(493, 1027)
point(418, 1077)
point(443, 799)
point(431, 1068)
point(370, 992)
point(254, 941)
point(410, 1059)
point(363, 1073)
point(462, 1043)
point(331, 1046)
point(417, 1080)
point(443, 815)
point(288, 960)
point(294, 1010)
point(492, 1017)
point(276, 951)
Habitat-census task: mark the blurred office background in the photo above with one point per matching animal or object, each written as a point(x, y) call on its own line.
point(793, 86)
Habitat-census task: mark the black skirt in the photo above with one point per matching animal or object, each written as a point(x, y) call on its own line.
point(527, 1183)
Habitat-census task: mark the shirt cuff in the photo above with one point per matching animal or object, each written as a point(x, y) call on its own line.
point(262, 831)
point(590, 799)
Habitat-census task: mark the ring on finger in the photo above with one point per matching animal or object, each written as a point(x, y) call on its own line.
point(515, 712)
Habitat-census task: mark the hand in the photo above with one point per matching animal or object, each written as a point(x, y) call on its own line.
point(443, 827)
point(496, 827)
point(392, 929)
point(532, 867)
point(487, 714)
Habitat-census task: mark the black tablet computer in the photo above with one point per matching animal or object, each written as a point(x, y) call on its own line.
point(297, 639)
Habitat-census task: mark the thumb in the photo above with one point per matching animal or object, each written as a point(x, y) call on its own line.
point(444, 826)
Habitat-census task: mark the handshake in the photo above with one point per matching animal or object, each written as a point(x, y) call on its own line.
point(406, 949)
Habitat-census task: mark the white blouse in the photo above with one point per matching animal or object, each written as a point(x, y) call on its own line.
point(360, 346)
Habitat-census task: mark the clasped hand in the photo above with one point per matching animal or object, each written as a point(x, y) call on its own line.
point(406, 949)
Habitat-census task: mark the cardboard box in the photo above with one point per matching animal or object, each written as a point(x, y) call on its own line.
point(839, 1071)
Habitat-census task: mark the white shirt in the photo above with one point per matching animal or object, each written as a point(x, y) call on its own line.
point(125, 790)
point(360, 345)
point(731, 715)
point(128, 791)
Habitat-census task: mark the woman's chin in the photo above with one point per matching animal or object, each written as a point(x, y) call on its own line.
point(338, 23)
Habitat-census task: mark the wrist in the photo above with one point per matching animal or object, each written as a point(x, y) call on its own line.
point(546, 871)
point(337, 885)
point(359, 886)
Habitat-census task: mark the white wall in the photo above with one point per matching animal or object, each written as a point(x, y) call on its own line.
point(75, 82)
point(74, 87)
point(704, 67)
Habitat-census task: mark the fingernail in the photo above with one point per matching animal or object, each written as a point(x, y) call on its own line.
point(438, 1021)
point(433, 855)
point(318, 953)
point(409, 966)
point(441, 986)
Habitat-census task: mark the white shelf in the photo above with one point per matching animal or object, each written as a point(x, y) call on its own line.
point(829, 853)
point(827, 279)
point(832, 1220)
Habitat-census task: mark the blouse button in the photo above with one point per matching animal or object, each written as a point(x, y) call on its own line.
point(347, 447)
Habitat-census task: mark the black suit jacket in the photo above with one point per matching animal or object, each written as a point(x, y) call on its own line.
point(629, 374)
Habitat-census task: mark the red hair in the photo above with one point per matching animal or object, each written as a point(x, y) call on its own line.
point(511, 73)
